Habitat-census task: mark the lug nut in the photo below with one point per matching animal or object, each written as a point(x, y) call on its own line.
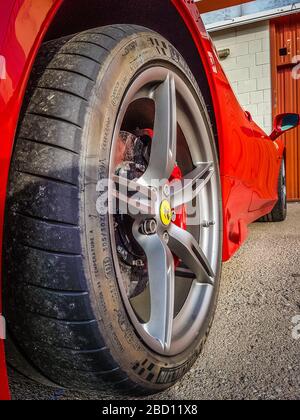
point(167, 190)
point(174, 216)
point(166, 237)
point(149, 227)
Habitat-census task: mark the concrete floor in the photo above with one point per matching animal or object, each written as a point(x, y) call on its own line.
point(251, 352)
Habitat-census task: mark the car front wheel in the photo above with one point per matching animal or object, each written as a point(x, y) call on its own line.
point(114, 218)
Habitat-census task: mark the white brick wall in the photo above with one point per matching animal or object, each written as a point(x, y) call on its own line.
point(249, 68)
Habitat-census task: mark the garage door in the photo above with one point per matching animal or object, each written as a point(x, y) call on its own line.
point(285, 36)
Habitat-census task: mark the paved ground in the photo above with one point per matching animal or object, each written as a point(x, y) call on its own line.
point(251, 352)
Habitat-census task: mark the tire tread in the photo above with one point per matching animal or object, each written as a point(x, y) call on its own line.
point(42, 310)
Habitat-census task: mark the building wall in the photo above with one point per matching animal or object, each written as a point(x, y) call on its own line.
point(248, 68)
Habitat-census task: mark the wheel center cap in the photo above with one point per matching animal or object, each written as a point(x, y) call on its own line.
point(165, 213)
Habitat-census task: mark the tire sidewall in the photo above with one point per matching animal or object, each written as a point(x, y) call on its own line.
point(131, 56)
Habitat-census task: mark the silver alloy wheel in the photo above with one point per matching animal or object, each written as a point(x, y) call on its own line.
point(172, 326)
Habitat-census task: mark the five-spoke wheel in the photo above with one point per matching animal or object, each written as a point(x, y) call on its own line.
point(167, 313)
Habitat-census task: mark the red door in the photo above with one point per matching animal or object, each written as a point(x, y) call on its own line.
point(285, 37)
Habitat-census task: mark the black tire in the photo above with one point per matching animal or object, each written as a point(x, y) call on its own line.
point(279, 213)
point(62, 302)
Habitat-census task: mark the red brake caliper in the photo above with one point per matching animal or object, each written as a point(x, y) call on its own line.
point(181, 214)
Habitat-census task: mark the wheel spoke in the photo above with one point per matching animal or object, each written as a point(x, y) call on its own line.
point(185, 190)
point(185, 273)
point(163, 149)
point(134, 198)
point(162, 283)
point(184, 245)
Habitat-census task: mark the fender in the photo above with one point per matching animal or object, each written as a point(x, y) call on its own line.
point(247, 193)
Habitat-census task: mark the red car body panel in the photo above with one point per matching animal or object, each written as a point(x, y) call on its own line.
point(249, 160)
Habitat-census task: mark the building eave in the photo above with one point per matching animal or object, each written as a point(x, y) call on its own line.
point(256, 17)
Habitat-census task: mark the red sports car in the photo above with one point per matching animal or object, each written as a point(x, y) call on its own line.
point(128, 173)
